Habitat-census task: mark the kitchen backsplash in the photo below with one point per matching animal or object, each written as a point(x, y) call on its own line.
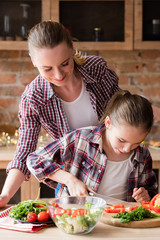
point(138, 71)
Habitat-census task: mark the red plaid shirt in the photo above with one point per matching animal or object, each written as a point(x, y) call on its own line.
point(80, 152)
point(40, 106)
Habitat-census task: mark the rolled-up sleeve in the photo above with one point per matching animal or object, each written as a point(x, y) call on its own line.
point(42, 163)
point(28, 137)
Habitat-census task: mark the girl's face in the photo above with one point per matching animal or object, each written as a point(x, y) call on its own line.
point(56, 64)
point(123, 138)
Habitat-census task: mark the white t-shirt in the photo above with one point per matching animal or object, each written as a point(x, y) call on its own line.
point(115, 179)
point(80, 112)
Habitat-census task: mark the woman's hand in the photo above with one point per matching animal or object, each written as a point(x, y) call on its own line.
point(141, 194)
point(3, 200)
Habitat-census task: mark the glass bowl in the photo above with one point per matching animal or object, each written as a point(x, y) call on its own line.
point(76, 215)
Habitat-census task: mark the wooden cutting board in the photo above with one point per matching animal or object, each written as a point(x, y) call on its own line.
point(146, 223)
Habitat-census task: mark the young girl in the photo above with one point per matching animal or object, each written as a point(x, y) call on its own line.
point(108, 158)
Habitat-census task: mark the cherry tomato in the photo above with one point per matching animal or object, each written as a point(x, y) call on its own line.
point(43, 216)
point(31, 217)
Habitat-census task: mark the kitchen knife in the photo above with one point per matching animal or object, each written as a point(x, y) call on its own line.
point(109, 200)
point(112, 201)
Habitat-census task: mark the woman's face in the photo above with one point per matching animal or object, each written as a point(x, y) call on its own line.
point(123, 138)
point(56, 64)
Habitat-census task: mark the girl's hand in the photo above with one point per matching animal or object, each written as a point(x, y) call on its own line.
point(141, 194)
point(76, 187)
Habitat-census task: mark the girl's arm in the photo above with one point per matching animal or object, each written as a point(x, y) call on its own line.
point(75, 186)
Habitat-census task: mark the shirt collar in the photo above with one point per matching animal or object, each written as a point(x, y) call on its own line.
point(96, 136)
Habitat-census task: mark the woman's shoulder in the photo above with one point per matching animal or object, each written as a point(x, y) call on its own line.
point(38, 90)
point(94, 61)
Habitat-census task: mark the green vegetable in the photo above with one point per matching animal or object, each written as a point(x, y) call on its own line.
point(20, 211)
point(136, 215)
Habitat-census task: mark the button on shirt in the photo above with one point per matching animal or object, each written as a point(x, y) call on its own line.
point(80, 152)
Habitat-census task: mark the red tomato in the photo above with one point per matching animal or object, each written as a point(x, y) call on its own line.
point(68, 211)
point(130, 209)
point(31, 217)
point(55, 205)
point(59, 212)
point(154, 207)
point(118, 206)
point(146, 205)
point(79, 212)
point(114, 210)
point(43, 216)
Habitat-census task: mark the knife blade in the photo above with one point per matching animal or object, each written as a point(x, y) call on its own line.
point(109, 200)
point(112, 201)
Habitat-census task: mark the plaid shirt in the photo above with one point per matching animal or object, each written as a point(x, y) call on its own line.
point(40, 106)
point(80, 152)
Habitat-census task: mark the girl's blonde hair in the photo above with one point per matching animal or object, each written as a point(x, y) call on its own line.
point(49, 34)
point(129, 108)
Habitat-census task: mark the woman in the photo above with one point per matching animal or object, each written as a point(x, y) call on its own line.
point(71, 91)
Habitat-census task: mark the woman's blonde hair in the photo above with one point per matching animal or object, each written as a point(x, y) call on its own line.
point(129, 108)
point(49, 34)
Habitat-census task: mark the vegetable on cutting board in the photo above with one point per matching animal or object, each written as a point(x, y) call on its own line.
point(136, 215)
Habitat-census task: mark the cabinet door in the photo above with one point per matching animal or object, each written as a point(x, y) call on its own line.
point(115, 18)
point(13, 13)
point(147, 24)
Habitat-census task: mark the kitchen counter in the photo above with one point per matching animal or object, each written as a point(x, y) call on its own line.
point(29, 189)
point(101, 231)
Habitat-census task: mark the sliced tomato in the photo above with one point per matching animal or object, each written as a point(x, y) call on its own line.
point(153, 203)
point(56, 205)
point(79, 212)
point(59, 212)
point(68, 211)
point(146, 205)
point(118, 206)
point(115, 210)
point(40, 206)
point(130, 209)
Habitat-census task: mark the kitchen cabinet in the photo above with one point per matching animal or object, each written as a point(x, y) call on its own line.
point(17, 16)
point(147, 24)
point(116, 18)
point(124, 24)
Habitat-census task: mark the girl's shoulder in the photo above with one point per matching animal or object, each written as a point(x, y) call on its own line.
point(143, 152)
